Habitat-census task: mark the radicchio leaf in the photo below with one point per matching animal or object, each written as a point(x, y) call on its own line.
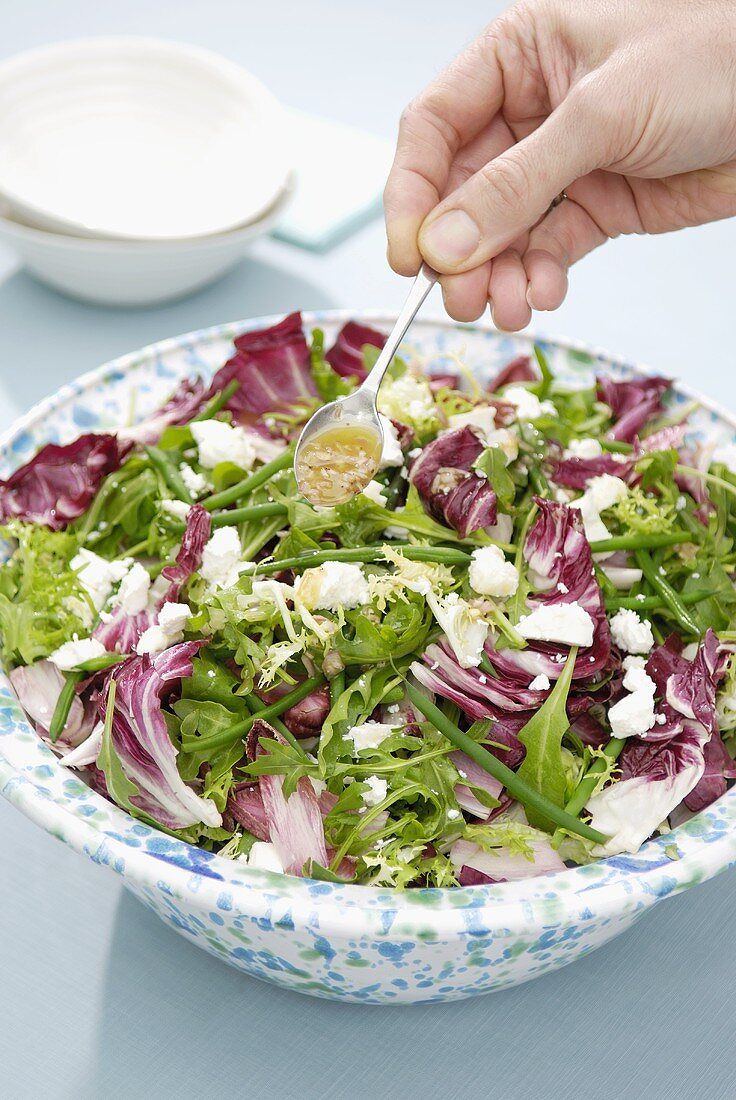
point(633, 403)
point(558, 553)
point(478, 777)
point(305, 718)
point(141, 740)
point(37, 687)
point(189, 398)
point(120, 634)
point(272, 366)
point(245, 805)
point(520, 369)
point(189, 557)
point(295, 823)
point(449, 488)
point(503, 865)
point(658, 774)
point(575, 473)
point(346, 355)
point(59, 483)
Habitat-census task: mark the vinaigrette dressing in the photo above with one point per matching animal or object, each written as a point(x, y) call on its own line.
point(337, 463)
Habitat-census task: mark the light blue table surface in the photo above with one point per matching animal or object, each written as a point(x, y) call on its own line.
point(97, 998)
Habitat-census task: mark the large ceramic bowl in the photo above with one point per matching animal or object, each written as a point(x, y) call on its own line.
point(347, 942)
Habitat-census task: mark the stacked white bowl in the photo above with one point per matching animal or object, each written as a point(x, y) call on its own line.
point(136, 170)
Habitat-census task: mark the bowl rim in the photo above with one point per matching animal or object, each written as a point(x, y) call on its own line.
point(617, 885)
point(128, 246)
point(267, 105)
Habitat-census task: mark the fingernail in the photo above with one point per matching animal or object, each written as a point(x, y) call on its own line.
point(529, 301)
point(451, 239)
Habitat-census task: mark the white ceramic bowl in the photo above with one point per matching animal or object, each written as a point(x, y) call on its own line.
point(132, 273)
point(137, 138)
point(353, 943)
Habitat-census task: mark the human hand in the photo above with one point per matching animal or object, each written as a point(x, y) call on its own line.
point(628, 106)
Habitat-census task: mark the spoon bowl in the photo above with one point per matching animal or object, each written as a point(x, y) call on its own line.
point(339, 450)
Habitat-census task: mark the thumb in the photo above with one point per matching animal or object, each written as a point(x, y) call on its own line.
point(512, 192)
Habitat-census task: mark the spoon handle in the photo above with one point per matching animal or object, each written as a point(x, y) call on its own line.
point(421, 287)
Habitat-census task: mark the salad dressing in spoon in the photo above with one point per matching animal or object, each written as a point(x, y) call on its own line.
point(339, 450)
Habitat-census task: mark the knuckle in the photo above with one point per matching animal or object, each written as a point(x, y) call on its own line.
point(505, 184)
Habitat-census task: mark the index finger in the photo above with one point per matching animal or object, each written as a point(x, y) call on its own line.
point(448, 114)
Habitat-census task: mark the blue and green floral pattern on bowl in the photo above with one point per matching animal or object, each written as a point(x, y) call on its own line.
point(340, 941)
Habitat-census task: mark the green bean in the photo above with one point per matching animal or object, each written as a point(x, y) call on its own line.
point(63, 705)
point(218, 402)
point(653, 603)
point(248, 484)
point(640, 542)
point(668, 594)
point(240, 729)
point(256, 706)
point(170, 473)
point(588, 783)
point(517, 788)
point(366, 554)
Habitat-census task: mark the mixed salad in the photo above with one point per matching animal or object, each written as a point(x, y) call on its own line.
point(513, 652)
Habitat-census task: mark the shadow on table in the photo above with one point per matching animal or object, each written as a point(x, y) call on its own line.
point(176, 1022)
point(47, 339)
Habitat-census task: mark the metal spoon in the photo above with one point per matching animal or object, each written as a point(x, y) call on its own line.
point(359, 409)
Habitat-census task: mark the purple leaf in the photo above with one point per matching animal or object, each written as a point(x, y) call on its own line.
point(505, 866)
point(558, 552)
point(59, 483)
point(272, 366)
point(245, 805)
point(141, 738)
point(38, 687)
point(121, 633)
point(189, 398)
point(295, 823)
point(719, 766)
point(189, 557)
point(346, 355)
point(575, 473)
point(632, 402)
point(520, 369)
point(305, 718)
point(477, 777)
point(448, 486)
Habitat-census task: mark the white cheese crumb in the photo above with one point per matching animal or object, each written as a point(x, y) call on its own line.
point(71, 654)
point(332, 586)
point(631, 633)
point(221, 557)
point(375, 492)
point(97, 575)
point(527, 404)
point(453, 815)
point(177, 508)
point(132, 596)
point(264, 856)
point(566, 623)
point(376, 792)
point(601, 493)
point(583, 448)
point(540, 683)
point(562, 588)
point(634, 714)
point(391, 455)
point(172, 618)
point(197, 484)
point(152, 641)
point(490, 574)
point(220, 442)
point(482, 417)
point(369, 735)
